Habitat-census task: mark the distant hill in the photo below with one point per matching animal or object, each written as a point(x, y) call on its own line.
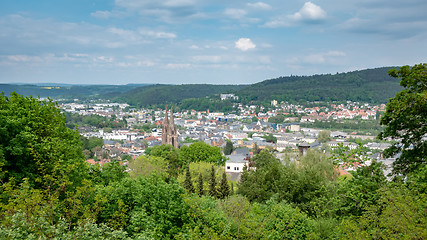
point(54, 90)
point(371, 85)
point(161, 94)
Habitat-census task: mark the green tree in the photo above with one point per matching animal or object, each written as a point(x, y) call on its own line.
point(145, 207)
point(398, 214)
point(279, 118)
point(324, 136)
point(36, 144)
point(146, 165)
point(200, 151)
point(224, 188)
point(228, 149)
point(188, 183)
point(170, 154)
point(286, 222)
point(406, 117)
point(270, 138)
point(200, 190)
point(212, 183)
point(261, 184)
point(113, 172)
point(237, 208)
point(360, 191)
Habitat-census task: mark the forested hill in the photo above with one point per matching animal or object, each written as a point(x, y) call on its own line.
point(68, 91)
point(161, 94)
point(371, 85)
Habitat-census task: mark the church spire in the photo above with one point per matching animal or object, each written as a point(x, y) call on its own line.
point(169, 133)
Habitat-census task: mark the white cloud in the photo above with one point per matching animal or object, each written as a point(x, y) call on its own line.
point(145, 63)
point(195, 47)
point(178, 65)
point(244, 44)
point(330, 57)
point(101, 14)
point(336, 54)
point(126, 34)
point(211, 59)
point(309, 13)
point(235, 13)
point(155, 34)
point(178, 3)
point(103, 59)
point(24, 58)
point(169, 11)
point(260, 6)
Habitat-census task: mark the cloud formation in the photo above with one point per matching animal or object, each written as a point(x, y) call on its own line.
point(244, 44)
point(148, 40)
point(318, 58)
point(260, 6)
point(309, 13)
point(235, 13)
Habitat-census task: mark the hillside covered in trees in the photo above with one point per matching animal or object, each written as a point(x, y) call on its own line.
point(161, 94)
point(371, 85)
point(68, 91)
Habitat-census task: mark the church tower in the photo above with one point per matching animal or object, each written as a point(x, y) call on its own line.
point(169, 131)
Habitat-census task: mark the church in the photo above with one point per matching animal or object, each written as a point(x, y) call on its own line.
point(169, 131)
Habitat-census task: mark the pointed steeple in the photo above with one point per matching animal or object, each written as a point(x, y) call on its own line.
point(166, 121)
point(165, 129)
point(169, 134)
point(172, 120)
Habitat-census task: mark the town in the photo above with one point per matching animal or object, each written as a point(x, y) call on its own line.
point(281, 128)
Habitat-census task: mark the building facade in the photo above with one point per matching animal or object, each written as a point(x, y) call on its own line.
point(169, 131)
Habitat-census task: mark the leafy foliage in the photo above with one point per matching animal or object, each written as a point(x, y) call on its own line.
point(406, 117)
point(148, 165)
point(170, 154)
point(213, 192)
point(324, 136)
point(360, 191)
point(372, 85)
point(73, 120)
point(188, 183)
point(200, 151)
point(224, 188)
point(36, 144)
point(162, 94)
point(68, 91)
point(228, 149)
point(282, 199)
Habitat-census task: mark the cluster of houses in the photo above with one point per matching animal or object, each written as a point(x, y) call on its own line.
point(216, 128)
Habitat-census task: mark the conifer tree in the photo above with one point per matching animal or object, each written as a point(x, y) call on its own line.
point(224, 188)
point(188, 184)
point(200, 190)
point(212, 184)
point(228, 149)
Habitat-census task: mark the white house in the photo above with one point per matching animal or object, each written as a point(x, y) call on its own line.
point(235, 164)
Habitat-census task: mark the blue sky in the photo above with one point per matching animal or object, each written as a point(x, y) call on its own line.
point(211, 41)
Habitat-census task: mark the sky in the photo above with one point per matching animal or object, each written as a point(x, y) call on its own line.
point(209, 41)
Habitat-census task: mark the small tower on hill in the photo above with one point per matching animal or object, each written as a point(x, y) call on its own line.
point(169, 132)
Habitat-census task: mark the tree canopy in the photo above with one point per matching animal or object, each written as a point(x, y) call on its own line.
point(35, 143)
point(406, 119)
